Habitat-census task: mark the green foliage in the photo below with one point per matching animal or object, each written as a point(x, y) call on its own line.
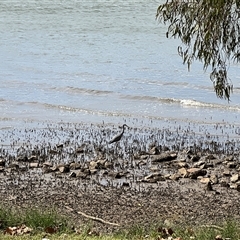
point(8, 217)
point(34, 218)
point(231, 230)
point(210, 32)
point(37, 218)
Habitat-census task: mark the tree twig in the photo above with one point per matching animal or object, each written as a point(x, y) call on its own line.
point(93, 218)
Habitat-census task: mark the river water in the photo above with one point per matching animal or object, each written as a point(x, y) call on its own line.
point(102, 61)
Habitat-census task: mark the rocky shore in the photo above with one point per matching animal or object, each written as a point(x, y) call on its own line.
point(149, 176)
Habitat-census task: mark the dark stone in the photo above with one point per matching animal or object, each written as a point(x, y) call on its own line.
point(60, 145)
point(22, 159)
point(125, 184)
point(194, 173)
point(164, 157)
point(75, 166)
point(72, 174)
point(195, 158)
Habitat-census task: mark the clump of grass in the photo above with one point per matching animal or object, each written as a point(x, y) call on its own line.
point(231, 230)
point(37, 219)
point(42, 219)
point(151, 231)
point(227, 230)
point(9, 217)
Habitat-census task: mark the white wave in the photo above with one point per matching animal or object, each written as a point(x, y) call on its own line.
point(190, 102)
point(194, 103)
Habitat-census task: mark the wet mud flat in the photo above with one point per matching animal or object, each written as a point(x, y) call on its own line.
point(151, 175)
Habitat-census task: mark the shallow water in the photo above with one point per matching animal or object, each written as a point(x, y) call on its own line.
point(102, 61)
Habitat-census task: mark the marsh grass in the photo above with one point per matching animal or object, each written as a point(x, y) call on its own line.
point(37, 219)
point(40, 219)
point(9, 217)
point(230, 229)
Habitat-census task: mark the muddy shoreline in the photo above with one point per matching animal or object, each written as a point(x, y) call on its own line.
point(148, 177)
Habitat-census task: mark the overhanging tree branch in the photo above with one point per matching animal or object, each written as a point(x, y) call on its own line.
point(210, 31)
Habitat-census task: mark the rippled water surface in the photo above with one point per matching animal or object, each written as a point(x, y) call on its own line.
point(95, 61)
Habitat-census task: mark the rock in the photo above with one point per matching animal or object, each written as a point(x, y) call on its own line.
point(22, 159)
point(224, 183)
point(59, 146)
point(205, 180)
point(218, 162)
point(80, 149)
point(23, 168)
point(97, 164)
point(154, 151)
point(200, 164)
point(154, 169)
point(93, 165)
point(208, 165)
point(196, 172)
point(47, 164)
point(108, 164)
point(173, 177)
point(119, 175)
point(183, 172)
point(33, 165)
point(101, 163)
point(32, 158)
point(231, 164)
point(210, 157)
point(153, 178)
point(226, 172)
point(144, 157)
point(93, 171)
point(182, 164)
point(214, 179)
point(233, 186)
point(81, 174)
point(2, 162)
point(47, 169)
point(167, 176)
point(54, 168)
point(229, 158)
point(126, 184)
point(14, 165)
point(63, 169)
point(136, 156)
point(164, 157)
point(72, 174)
point(195, 158)
point(86, 170)
point(142, 163)
point(75, 166)
point(1, 169)
point(234, 178)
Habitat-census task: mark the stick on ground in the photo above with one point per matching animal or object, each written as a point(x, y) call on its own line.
point(93, 218)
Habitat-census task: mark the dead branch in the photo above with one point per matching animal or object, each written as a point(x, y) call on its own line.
point(93, 218)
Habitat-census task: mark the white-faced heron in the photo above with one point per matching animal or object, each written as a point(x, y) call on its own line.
point(119, 136)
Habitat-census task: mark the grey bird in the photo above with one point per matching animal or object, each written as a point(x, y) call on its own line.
point(119, 136)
